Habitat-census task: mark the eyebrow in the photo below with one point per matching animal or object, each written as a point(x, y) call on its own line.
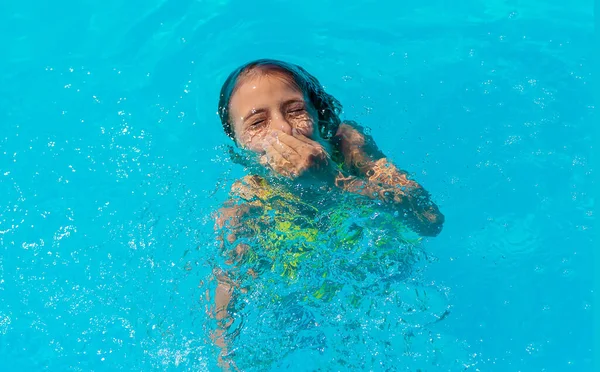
point(254, 112)
point(293, 100)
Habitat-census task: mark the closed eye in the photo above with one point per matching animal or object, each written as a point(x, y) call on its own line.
point(257, 122)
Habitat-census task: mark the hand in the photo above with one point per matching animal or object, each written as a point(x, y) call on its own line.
point(226, 364)
point(293, 155)
point(224, 360)
point(369, 189)
point(391, 186)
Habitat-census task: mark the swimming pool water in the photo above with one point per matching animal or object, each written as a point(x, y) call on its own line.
point(111, 165)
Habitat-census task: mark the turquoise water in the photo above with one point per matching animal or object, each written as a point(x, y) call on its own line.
point(111, 165)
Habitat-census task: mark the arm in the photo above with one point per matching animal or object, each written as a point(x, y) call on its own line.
point(229, 222)
point(376, 177)
point(223, 295)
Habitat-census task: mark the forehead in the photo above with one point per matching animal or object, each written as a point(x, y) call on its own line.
point(256, 90)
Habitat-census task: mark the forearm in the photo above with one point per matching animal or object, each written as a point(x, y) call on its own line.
point(222, 300)
point(378, 178)
point(414, 201)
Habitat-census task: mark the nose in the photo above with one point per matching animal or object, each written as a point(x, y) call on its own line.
point(279, 123)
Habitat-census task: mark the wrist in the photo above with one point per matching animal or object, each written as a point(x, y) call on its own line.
point(385, 174)
point(376, 170)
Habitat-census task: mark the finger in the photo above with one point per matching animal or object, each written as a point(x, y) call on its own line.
point(296, 142)
point(304, 155)
point(278, 163)
point(276, 153)
point(301, 137)
point(316, 147)
point(288, 152)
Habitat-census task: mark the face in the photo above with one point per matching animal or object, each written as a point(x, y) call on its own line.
point(264, 104)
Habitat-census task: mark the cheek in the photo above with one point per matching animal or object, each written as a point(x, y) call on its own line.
point(251, 140)
point(306, 126)
point(254, 142)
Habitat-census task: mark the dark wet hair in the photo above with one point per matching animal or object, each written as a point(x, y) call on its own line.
point(327, 106)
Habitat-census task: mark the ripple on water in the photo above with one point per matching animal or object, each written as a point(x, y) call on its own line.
point(506, 237)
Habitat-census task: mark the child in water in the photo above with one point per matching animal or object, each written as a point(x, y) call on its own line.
point(280, 114)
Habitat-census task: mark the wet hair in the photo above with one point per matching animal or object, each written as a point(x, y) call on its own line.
point(327, 106)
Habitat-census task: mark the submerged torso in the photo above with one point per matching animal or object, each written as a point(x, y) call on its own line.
point(319, 239)
point(321, 261)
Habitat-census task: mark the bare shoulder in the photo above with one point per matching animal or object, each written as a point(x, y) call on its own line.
point(249, 188)
point(350, 134)
point(245, 196)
